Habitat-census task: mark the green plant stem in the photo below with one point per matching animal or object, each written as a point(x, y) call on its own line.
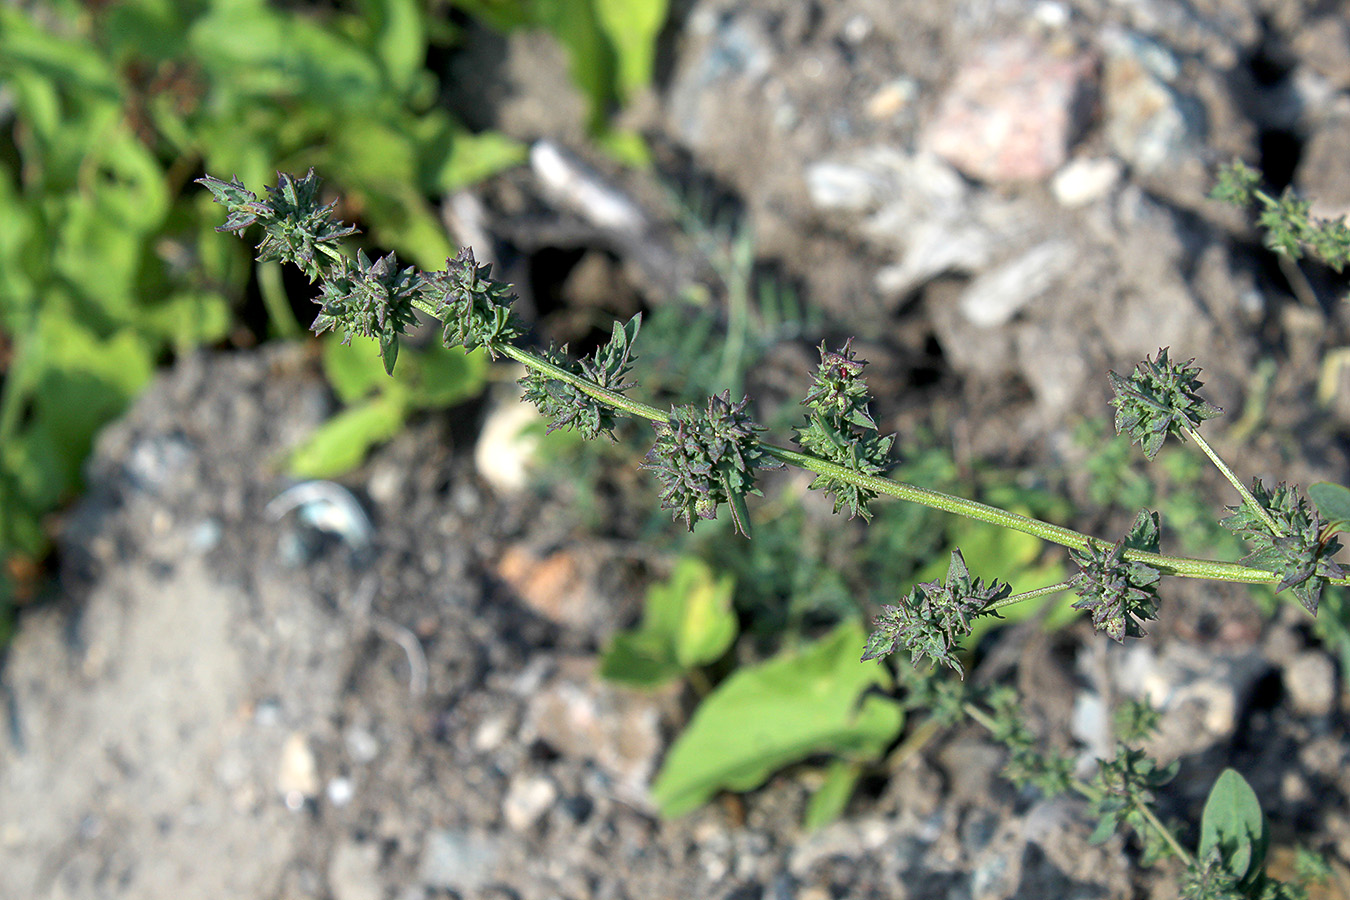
point(1185, 567)
point(1031, 595)
point(1182, 854)
point(1091, 793)
point(274, 299)
point(1236, 482)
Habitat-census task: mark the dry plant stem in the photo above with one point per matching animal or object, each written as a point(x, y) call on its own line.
point(1236, 482)
point(1185, 567)
point(1091, 792)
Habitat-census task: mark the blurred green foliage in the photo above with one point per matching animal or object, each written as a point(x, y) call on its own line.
point(377, 406)
point(611, 48)
point(108, 259)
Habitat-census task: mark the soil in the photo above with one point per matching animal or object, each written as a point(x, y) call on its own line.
point(389, 691)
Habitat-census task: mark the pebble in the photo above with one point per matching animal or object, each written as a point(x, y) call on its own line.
point(1310, 680)
point(354, 871)
point(1082, 181)
point(527, 799)
point(1148, 123)
point(458, 861)
point(1010, 111)
point(841, 187)
point(507, 445)
point(298, 773)
point(998, 294)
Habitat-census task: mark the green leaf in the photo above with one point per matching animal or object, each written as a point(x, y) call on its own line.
point(400, 39)
point(632, 27)
point(353, 369)
point(830, 799)
point(592, 59)
point(688, 622)
point(1333, 503)
point(1234, 826)
point(766, 716)
point(474, 157)
point(440, 377)
point(341, 443)
point(82, 381)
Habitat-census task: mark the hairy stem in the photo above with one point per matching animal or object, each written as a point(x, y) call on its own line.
point(1214, 570)
point(1236, 482)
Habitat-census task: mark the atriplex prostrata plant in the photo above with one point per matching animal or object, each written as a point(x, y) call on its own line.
point(709, 455)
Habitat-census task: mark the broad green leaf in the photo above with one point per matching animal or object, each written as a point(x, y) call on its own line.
point(81, 382)
point(127, 182)
point(400, 39)
point(632, 27)
point(187, 319)
point(1333, 502)
point(474, 157)
point(341, 443)
point(30, 463)
point(437, 377)
point(1234, 825)
point(101, 260)
point(766, 716)
point(591, 55)
point(830, 799)
point(687, 622)
point(639, 659)
point(74, 64)
point(354, 370)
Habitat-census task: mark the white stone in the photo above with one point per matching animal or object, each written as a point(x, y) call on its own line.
point(297, 772)
point(1310, 679)
point(527, 799)
point(507, 446)
point(1081, 181)
point(1000, 293)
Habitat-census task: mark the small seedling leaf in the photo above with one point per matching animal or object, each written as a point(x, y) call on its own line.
point(764, 717)
point(342, 442)
point(1234, 825)
point(688, 622)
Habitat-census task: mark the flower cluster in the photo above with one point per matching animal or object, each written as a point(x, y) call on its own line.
point(475, 308)
point(369, 299)
point(1300, 554)
point(841, 430)
point(1158, 399)
point(566, 406)
point(933, 619)
point(704, 459)
point(297, 226)
point(1119, 593)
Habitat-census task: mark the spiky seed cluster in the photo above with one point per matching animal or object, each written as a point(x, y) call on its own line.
point(566, 406)
point(707, 458)
point(1209, 879)
point(475, 308)
point(933, 618)
point(1158, 399)
point(1124, 786)
point(1300, 555)
point(297, 226)
point(1120, 593)
point(371, 299)
point(840, 429)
